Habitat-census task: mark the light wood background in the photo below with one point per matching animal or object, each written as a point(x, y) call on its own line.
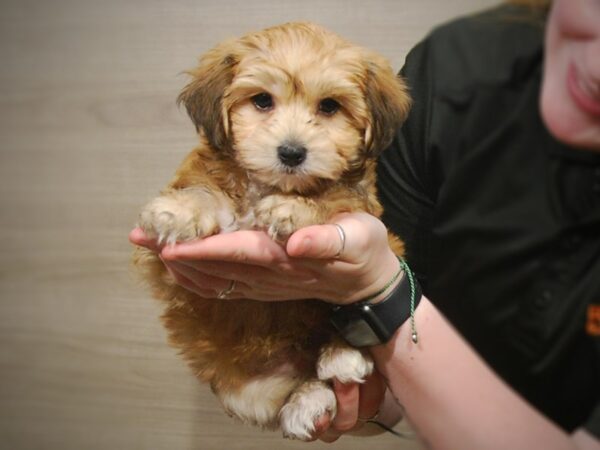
point(89, 131)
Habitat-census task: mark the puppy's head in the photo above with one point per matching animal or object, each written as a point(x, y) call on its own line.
point(295, 105)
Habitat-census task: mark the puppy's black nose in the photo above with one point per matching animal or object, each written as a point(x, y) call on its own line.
point(291, 155)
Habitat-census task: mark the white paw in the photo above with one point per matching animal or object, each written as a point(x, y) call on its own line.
point(278, 221)
point(183, 216)
point(309, 402)
point(259, 401)
point(344, 363)
point(282, 216)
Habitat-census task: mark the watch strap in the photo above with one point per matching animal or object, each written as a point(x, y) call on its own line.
point(365, 323)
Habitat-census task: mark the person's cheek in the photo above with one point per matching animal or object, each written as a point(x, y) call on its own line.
point(576, 19)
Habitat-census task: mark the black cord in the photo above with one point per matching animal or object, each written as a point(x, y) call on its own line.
point(389, 430)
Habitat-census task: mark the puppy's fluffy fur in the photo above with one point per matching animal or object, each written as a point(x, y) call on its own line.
point(290, 121)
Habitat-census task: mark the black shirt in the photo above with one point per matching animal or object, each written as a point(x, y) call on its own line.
point(501, 221)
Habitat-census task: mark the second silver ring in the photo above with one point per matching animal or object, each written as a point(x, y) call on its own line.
point(225, 292)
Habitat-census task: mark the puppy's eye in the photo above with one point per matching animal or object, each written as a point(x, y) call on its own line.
point(328, 106)
point(263, 101)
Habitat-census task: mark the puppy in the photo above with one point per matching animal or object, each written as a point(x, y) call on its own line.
point(290, 122)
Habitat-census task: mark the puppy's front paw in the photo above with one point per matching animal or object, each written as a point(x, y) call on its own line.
point(281, 216)
point(309, 402)
point(183, 216)
point(344, 363)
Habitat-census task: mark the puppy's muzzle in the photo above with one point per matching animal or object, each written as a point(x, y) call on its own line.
point(291, 154)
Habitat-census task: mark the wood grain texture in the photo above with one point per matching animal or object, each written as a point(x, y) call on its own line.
point(89, 131)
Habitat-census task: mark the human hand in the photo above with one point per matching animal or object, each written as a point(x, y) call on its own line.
point(356, 404)
point(306, 268)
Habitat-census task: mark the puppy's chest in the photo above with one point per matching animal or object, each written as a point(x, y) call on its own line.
point(279, 214)
point(247, 204)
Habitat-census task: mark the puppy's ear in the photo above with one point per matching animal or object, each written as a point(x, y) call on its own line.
point(203, 96)
point(388, 102)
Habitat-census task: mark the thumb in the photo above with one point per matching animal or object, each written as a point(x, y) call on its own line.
point(315, 241)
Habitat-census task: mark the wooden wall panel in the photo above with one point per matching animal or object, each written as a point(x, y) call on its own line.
point(89, 131)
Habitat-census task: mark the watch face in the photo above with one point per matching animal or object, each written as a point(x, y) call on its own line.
point(359, 334)
point(364, 324)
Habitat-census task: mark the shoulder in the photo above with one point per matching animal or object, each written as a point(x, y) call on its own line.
point(467, 78)
point(491, 47)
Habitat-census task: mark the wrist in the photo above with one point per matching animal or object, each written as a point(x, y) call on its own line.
point(388, 278)
point(365, 324)
point(384, 292)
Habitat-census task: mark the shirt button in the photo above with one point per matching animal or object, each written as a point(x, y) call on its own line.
point(543, 300)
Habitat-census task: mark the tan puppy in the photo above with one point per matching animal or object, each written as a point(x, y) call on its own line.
point(290, 121)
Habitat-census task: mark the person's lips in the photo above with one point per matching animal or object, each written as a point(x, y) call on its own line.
point(584, 92)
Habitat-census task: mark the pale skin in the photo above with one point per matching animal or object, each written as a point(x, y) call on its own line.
point(473, 407)
point(264, 270)
point(449, 394)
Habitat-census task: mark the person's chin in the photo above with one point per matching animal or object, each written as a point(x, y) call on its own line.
point(567, 123)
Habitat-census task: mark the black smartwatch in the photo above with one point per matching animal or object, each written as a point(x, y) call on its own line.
point(364, 324)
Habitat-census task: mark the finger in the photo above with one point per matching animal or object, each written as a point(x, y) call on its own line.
point(249, 247)
point(186, 283)
point(323, 430)
point(371, 395)
point(207, 286)
point(330, 435)
point(201, 280)
point(321, 424)
point(316, 241)
point(326, 242)
point(347, 405)
point(138, 237)
point(275, 277)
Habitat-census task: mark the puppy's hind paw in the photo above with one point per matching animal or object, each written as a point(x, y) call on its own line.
point(346, 364)
point(310, 401)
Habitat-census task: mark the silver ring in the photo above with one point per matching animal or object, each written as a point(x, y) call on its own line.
point(342, 239)
point(225, 292)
